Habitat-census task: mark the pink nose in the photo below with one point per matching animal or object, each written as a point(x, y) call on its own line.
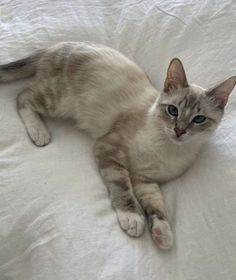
point(179, 131)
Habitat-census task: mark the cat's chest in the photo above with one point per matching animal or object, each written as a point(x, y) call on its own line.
point(158, 162)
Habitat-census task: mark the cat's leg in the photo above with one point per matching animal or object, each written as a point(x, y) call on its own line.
point(28, 108)
point(151, 199)
point(110, 158)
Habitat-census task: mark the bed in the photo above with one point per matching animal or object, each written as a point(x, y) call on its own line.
point(56, 221)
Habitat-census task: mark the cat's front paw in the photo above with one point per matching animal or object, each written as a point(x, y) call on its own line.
point(162, 234)
point(40, 136)
point(132, 223)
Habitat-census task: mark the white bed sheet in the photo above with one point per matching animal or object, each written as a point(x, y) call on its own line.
point(55, 216)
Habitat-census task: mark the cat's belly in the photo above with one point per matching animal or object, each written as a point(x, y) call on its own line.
point(161, 168)
point(160, 173)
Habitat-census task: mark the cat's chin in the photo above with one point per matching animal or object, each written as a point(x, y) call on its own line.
point(178, 141)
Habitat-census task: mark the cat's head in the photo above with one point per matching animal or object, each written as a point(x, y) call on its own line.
point(189, 112)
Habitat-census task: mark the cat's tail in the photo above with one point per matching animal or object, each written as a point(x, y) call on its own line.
point(20, 69)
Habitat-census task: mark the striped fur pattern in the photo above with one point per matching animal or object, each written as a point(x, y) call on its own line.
point(140, 143)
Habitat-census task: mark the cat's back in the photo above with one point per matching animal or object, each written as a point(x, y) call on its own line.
point(98, 83)
point(84, 66)
point(94, 61)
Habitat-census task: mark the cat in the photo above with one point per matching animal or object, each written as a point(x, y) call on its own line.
point(144, 137)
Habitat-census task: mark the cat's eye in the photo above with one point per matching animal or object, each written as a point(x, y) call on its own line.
point(172, 110)
point(199, 119)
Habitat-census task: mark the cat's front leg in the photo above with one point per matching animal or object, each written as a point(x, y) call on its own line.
point(151, 199)
point(111, 162)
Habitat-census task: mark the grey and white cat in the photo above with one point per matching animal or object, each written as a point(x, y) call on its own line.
point(143, 137)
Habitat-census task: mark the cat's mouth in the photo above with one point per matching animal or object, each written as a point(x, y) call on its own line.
point(174, 138)
point(178, 140)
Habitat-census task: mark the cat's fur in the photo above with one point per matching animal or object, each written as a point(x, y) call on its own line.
point(139, 144)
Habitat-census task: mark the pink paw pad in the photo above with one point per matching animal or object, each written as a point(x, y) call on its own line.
point(161, 234)
point(157, 231)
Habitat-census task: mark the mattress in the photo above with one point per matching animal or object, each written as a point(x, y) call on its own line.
point(56, 221)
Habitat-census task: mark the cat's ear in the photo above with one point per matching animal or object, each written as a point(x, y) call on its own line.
point(175, 76)
point(220, 93)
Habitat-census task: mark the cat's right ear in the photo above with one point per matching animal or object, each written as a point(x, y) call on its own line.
point(176, 76)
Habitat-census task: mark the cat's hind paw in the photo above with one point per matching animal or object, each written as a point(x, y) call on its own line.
point(162, 234)
point(132, 223)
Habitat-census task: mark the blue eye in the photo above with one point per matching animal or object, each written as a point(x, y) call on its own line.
point(199, 119)
point(172, 110)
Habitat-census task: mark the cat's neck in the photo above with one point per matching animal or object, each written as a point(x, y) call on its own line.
point(154, 156)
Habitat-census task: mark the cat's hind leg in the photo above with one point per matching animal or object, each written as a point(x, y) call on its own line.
point(29, 107)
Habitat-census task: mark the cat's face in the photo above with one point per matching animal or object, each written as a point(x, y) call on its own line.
point(188, 112)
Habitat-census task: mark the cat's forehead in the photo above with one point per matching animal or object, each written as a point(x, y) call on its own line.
point(192, 97)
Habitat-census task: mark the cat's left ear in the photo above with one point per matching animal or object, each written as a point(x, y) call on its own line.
point(176, 76)
point(220, 93)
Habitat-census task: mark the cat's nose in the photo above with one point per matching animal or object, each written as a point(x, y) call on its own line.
point(179, 131)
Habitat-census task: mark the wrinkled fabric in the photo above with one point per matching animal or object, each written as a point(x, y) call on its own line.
point(56, 221)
